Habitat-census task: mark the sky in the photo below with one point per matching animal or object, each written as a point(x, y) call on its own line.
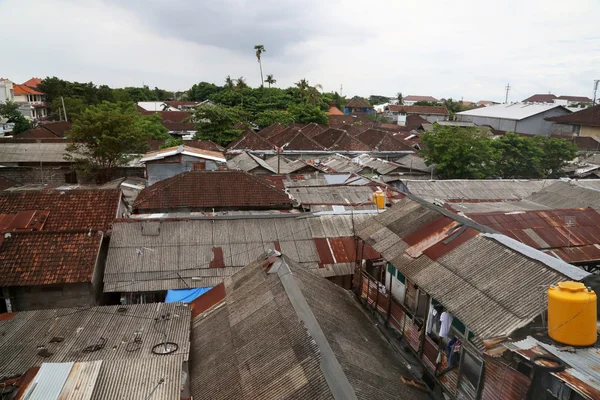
point(468, 49)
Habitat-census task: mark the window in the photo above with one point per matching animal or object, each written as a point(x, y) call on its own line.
point(471, 368)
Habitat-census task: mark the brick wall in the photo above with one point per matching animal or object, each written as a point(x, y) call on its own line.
point(29, 175)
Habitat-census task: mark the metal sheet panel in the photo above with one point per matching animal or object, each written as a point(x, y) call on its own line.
point(49, 381)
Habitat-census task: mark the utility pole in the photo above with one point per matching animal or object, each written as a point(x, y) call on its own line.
point(595, 90)
point(507, 90)
point(64, 109)
point(341, 90)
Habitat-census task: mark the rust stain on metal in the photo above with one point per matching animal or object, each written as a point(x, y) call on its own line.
point(323, 251)
point(439, 249)
point(430, 235)
point(218, 260)
point(208, 299)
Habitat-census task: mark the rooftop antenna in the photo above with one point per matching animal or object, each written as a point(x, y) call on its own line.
point(507, 90)
point(595, 90)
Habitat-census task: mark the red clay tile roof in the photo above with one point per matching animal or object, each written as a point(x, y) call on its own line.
point(335, 121)
point(271, 130)
point(415, 121)
point(22, 89)
point(576, 99)
point(208, 145)
point(584, 143)
point(313, 129)
point(167, 116)
point(572, 234)
point(382, 141)
point(33, 82)
point(283, 137)
point(336, 139)
point(353, 130)
point(300, 141)
point(250, 140)
point(179, 126)
point(69, 209)
point(50, 130)
point(212, 189)
point(358, 102)
point(421, 98)
point(587, 117)
point(540, 98)
point(434, 110)
point(45, 258)
point(333, 110)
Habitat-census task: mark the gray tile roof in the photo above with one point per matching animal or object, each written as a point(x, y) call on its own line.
point(247, 162)
point(571, 194)
point(33, 152)
point(288, 333)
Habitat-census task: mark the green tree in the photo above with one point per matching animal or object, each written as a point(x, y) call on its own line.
point(425, 103)
point(172, 142)
point(229, 83)
point(10, 111)
point(459, 153)
point(377, 99)
point(518, 157)
point(202, 91)
point(22, 124)
point(240, 83)
point(105, 136)
point(259, 50)
point(400, 98)
point(216, 123)
point(557, 152)
point(151, 127)
point(454, 107)
point(74, 105)
point(306, 113)
point(270, 117)
point(270, 80)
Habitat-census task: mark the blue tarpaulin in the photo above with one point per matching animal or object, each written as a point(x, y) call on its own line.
point(185, 295)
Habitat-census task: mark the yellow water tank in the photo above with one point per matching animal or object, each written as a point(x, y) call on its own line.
point(572, 314)
point(379, 199)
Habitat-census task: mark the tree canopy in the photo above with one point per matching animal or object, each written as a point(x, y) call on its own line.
point(10, 112)
point(216, 123)
point(106, 135)
point(469, 153)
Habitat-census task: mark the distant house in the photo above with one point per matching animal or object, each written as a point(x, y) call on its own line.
point(486, 103)
point(333, 110)
point(582, 123)
point(31, 100)
point(248, 162)
point(358, 105)
point(515, 117)
point(53, 246)
point(48, 130)
point(411, 100)
point(165, 163)
point(398, 113)
point(559, 100)
point(7, 92)
point(208, 191)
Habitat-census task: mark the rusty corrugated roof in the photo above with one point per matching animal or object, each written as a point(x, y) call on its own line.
point(572, 235)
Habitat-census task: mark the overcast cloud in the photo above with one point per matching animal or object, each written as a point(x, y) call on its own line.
point(462, 49)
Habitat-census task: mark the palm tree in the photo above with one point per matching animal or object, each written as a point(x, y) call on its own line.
point(400, 98)
point(270, 80)
point(228, 82)
point(259, 50)
point(313, 93)
point(240, 83)
point(302, 84)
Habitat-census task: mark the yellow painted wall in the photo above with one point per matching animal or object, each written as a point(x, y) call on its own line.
point(590, 131)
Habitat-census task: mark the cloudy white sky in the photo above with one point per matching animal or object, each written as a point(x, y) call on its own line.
point(462, 49)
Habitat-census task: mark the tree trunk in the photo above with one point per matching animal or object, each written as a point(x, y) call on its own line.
point(262, 82)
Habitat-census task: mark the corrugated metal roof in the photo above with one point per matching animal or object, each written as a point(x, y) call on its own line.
point(481, 280)
point(180, 255)
point(570, 234)
point(497, 189)
point(567, 194)
point(247, 162)
point(290, 334)
point(514, 111)
point(52, 336)
point(82, 380)
point(48, 382)
point(582, 372)
point(329, 195)
point(33, 152)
